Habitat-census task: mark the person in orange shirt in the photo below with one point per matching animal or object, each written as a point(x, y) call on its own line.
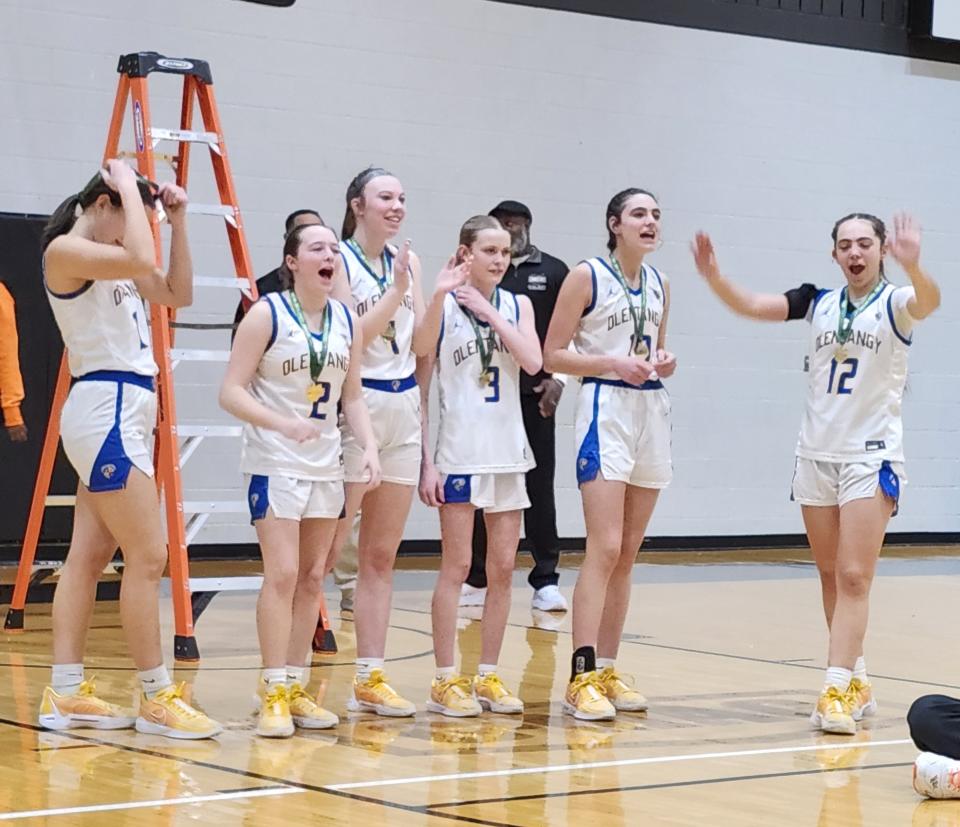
point(11, 382)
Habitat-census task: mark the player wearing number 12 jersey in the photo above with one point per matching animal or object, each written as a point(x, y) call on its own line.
point(480, 337)
point(849, 467)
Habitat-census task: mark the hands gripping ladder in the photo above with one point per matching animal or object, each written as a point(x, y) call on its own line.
point(134, 70)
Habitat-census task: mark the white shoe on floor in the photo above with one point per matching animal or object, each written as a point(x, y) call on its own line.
point(936, 776)
point(547, 599)
point(472, 596)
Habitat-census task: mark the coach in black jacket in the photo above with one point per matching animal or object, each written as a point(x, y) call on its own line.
point(538, 276)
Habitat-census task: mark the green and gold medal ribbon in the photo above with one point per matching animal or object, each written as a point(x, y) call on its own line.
point(486, 354)
point(848, 314)
point(639, 346)
point(383, 282)
point(317, 360)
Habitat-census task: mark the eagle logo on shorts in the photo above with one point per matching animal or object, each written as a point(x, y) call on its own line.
point(253, 499)
point(395, 384)
point(459, 483)
point(108, 470)
point(582, 463)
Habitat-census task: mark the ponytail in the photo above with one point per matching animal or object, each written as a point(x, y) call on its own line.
point(65, 216)
point(355, 190)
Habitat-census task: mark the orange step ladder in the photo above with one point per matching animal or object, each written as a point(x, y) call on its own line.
point(134, 70)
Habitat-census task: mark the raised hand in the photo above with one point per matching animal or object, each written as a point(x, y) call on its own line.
point(117, 174)
point(401, 268)
point(704, 256)
point(174, 200)
point(473, 300)
point(452, 275)
point(904, 245)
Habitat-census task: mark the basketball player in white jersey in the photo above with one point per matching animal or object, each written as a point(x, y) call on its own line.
point(849, 467)
point(480, 337)
point(615, 310)
point(99, 267)
point(296, 356)
point(381, 283)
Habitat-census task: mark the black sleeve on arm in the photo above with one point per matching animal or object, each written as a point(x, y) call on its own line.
point(799, 300)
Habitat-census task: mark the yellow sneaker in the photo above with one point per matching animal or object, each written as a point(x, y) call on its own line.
point(275, 718)
point(453, 697)
point(586, 700)
point(166, 713)
point(306, 712)
point(863, 703)
point(493, 696)
point(833, 712)
point(81, 710)
point(375, 695)
point(623, 696)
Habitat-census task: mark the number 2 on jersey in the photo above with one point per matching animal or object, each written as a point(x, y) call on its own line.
point(324, 397)
point(848, 370)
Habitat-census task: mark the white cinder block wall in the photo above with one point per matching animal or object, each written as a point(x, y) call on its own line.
point(762, 142)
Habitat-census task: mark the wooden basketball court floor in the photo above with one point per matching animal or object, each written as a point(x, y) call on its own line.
point(728, 648)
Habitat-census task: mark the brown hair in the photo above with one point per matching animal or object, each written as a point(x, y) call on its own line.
point(355, 190)
point(472, 227)
point(291, 246)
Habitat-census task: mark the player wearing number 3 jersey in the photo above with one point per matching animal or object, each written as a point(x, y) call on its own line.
point(480, 337)
point(296, 356)
point(849, 467)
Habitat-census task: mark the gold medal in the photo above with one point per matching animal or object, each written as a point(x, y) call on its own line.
point(314, 392)
point(642, 350)
point(390, 334)
point(484, 378)
point(840, 354)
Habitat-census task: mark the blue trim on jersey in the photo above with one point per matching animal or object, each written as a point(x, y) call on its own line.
point(456, 488)
point(346, 266)
point(295, 321)
point(588, 456)
point(663, 290)
point(651, 385)
point(112, 465)
point(816, 299)
point(593, 297)
point(443, 324)
point(257, 497)
point(273, 320)
point(119, 376)
point(346, 312)
point(893, 323)
point(633, 292)
point(516, 308)
point(72, 294)
point(391, 385)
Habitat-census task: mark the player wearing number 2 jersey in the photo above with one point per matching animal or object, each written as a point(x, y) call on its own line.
point(295, 358)
point(480, 337)
point(99, 267)
point(849, 467)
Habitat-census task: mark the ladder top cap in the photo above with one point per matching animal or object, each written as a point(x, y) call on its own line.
point(141, 64)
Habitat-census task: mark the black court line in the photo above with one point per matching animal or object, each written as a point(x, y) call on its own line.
point(727, 655)
point(270, 779)
point(665, 785)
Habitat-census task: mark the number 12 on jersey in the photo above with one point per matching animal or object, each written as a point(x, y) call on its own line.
point(843, 372)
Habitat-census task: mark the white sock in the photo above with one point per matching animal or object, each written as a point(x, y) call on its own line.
point(154, 680)
point(446, 672)
point(486, 669)
point(297, 674)
point(274, 676)
point(604, 663)
point(366, 665)
point(67, 678)
point(837, 676)
point(860, 670)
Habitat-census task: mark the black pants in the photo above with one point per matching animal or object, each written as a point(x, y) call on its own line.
point(934, 722)
point(540, 520)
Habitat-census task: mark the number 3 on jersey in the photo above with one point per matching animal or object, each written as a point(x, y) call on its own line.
point(848, 370)
point(493, 385)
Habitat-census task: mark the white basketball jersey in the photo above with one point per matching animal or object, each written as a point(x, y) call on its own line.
point(481, 425)
point(104, 327)
point(282, 382)
point(854, 398)
point(382, 359)
point(606, 327)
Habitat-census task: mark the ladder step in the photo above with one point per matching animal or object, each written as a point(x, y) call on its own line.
point(209, 430)
point(192, 136)
point(225, 584)
point(230, 282)
point(60, 500)
point(192, 355)
point(207, 507)
point(225, 210)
